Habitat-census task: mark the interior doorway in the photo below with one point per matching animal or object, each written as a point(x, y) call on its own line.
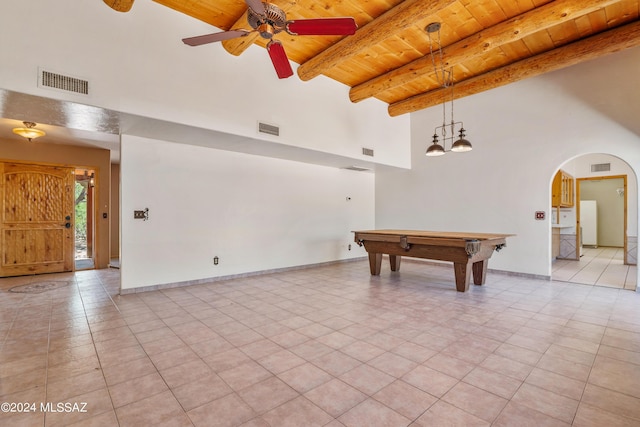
point(84, 208)
point(609, 259)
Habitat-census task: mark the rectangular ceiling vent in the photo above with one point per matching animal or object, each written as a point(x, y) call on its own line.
point(367, 151)
point(355, 168)
point(601, 167)
point(62, 82)
point(268, 129)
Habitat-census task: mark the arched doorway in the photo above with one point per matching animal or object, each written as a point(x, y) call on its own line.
point(608, 260)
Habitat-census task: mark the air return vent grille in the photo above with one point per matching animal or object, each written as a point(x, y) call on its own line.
point(367, 151)
point(601, 167)
point(62, 82)
point(268, 129)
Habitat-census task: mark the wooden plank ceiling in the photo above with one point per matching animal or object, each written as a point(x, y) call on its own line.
point(488, 43)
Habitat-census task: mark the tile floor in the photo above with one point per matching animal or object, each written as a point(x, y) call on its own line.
point(600, 266)
point(328, 346)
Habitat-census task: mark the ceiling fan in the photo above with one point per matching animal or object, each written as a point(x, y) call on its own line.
point(268, 20)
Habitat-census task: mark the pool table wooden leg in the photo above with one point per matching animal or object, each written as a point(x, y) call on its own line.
point(394, 261)
point(375, 263)
point(463, 274)
point(480, 272)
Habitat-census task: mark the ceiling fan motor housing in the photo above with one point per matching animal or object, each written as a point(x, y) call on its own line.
point(272, 22)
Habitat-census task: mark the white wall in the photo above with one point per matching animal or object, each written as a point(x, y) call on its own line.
point(136, 63)
point(521, 133)
point(254, 213)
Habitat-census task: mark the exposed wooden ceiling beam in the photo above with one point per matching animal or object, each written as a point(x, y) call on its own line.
point(607, 42)
point(514, 29)
point(120, 5)
point(402, 16)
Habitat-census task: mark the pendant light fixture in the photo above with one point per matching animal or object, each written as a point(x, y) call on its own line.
point(444, 77)
point(29, 131)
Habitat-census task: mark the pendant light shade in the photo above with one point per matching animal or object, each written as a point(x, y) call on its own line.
point(461, 145)
point(435, 149)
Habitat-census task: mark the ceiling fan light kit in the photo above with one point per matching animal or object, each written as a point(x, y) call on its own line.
point(268, 20)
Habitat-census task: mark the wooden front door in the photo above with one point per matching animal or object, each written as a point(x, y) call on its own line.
point(37, 232)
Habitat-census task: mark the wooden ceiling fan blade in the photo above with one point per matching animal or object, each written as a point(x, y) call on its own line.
point(256, 6)
point(322, 27)
point(279, 59)
point(215, 37)
point(120, 5)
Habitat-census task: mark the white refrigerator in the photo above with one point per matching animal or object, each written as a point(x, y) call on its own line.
point(589, 222)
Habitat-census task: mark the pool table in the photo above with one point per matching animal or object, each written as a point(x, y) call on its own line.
point(468, 251)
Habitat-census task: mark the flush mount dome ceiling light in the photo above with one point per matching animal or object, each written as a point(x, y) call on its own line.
point(29, 131)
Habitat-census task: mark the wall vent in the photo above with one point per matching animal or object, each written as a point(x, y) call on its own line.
point(269, 129)
point(356, 168)
point(601, 167)
point(62, 82)
point(367, 151)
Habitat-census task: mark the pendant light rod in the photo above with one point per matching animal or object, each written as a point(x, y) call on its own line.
point(444, 77)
